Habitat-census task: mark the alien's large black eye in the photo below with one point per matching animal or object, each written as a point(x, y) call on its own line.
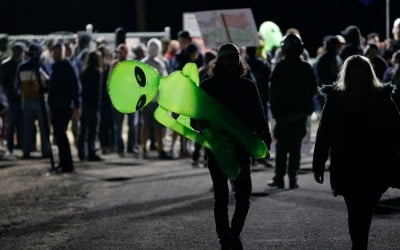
point(140, 77)
point(141, 102)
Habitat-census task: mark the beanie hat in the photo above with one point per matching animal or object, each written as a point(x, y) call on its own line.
point(228, 49)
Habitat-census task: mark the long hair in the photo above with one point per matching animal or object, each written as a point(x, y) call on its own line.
point(357, 74)
point(93, 61)
point(217, 68)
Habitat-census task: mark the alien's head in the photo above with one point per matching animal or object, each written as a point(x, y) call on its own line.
point(132, 85)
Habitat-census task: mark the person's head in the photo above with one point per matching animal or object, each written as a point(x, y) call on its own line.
point(292, 46)
point(93, 60)
point(122, 52)
point(371, 50)
point(69, 50)
point(251, 52)
point(106, 55)
point(35, 51)
point(184, 38)
point(18, 51)
point(58, 52)
point(193, 52)
point(352, 35)
point(154, 47)
point(332, 44)
point(357, 74)
point(373, 38)
point(139, 51)
point(228, 63)
point(209, 56)
point(396, 29)
point(173, 47)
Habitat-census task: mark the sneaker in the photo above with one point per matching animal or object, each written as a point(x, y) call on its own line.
point(277, 184)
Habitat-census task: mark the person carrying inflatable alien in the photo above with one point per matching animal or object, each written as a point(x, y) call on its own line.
point(224, 114)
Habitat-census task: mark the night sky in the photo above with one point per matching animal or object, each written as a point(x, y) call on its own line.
point(314, 18)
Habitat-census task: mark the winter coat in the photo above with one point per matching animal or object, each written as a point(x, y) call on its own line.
point(361, 142)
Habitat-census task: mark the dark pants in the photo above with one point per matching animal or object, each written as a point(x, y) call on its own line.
point(88, 131)
point(106, 129)
point(14, 124)
point(118, 126)
point(60, 119)
point(242, 187)
point(289, 136)
point(360, 207)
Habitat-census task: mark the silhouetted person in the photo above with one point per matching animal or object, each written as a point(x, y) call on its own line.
point(371, 51)
point(64, 103)
point(392, 45)
point(91, 79)
point(392, 75)
point(32, 79)
point(8, 77)
point(353, 46)
point(327, 65)
point(227, 85)
point(291, 93)
point(359, 130)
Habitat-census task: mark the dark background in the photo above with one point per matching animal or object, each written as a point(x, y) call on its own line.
point(314, 18)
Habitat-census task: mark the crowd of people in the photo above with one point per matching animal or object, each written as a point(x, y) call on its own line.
point(65, 81)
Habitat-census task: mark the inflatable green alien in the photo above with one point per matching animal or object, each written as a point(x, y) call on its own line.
point(133, 84)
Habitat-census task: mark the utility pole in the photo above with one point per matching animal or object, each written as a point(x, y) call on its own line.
point(140, 15)
point(387, 18)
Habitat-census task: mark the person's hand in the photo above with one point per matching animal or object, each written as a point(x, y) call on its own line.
point(76, 113)
point(319, 177)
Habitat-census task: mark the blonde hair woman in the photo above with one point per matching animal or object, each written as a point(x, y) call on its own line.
point(359, 130)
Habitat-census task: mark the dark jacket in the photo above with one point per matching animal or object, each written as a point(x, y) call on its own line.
point(242, 99)
point(91, 88)
point(361, 142)
point(327, 68)
point(291, 91)
point(64, 87)
point(8, 77)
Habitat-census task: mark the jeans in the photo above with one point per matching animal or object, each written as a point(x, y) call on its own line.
point(14, 124)
point(88, 131)
point(118, 124)
point(242, 187)
point(33, 110)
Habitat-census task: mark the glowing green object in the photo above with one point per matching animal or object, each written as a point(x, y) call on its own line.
point(271, 34)
point(133, 84)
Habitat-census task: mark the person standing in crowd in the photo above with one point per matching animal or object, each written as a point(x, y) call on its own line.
point(392, 75)
point(183, 56)
point(173, 48)
point(260, 70)
point(91, 94)
point(392, 45)
point(64, 103)
point(122, 54)
point(371, 51)
point(353, 46)
point(8, 76)
point(358, 113)
point(227, 85)
point(32, 78)
point(149, 122)
point(292, 88)
point(327, 65)
point(106, 128)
